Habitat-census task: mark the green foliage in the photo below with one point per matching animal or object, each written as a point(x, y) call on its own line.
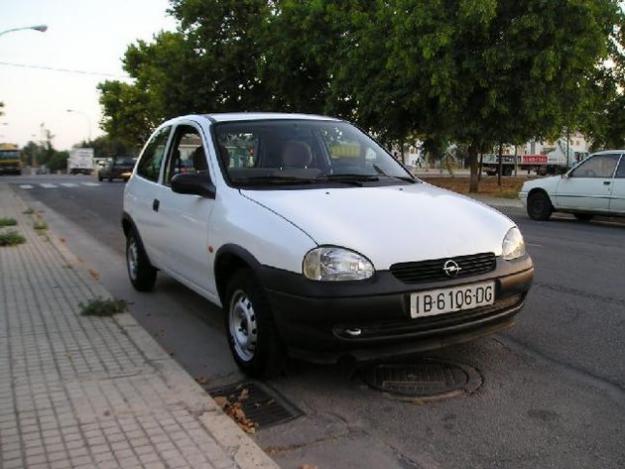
point(58, 161)
point(28, 211)
point(103, 307)
point(7, 221)
point(105, 146)
point(476, 72)
point(11, 238)
point(40, 225)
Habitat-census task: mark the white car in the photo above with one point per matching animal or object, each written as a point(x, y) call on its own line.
point(596, 186)
point(315, 241)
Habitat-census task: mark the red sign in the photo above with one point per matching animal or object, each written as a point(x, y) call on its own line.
point(534, 159)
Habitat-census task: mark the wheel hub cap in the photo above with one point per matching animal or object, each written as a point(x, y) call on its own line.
point(243, 326)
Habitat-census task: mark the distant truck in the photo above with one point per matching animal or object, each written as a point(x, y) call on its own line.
point(80, 161)
point(10, 162)
point(552, 161)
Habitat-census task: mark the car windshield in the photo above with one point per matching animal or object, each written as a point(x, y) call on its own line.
point(304, 152)
point(9, 154)
point(125, 161)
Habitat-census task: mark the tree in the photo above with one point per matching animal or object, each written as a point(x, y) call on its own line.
point(501, 71)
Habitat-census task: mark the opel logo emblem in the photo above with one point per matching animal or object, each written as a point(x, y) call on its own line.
point(451, 268)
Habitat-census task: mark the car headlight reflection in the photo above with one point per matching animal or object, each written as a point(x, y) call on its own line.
point(332, 264)
point(513, 245)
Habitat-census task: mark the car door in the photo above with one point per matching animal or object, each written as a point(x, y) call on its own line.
point(588, 187)
point(617, 201)
point(144, 194)
point(185, 216)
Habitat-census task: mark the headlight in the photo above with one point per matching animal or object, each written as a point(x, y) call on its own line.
point(332, 264)
point(513, 245)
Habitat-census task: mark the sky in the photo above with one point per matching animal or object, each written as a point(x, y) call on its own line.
point(87, 35)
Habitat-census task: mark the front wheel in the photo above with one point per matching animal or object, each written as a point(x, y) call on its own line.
point(141, 273)
point(539, 206)
point(252, 335)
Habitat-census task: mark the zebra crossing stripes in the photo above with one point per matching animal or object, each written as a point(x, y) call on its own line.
point(49, 185)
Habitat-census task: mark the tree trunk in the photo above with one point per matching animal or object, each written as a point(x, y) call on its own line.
point(403, 159)
point(499, 164)
point(474, 183)
point(479, 172)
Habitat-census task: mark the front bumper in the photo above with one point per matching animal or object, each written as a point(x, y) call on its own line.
point(315, 319)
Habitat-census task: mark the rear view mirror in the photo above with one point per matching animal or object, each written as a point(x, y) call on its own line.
point(193, 183)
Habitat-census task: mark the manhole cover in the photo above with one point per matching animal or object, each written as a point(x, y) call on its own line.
point(261, 404)
point(425, 379)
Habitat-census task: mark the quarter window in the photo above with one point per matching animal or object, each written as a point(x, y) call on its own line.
point(600, 166)
point(150, 163)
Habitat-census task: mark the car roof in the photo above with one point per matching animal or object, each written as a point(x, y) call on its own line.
point(606, 152)
point(250, 116)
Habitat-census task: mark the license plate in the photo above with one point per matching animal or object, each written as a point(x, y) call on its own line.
point(448, 300)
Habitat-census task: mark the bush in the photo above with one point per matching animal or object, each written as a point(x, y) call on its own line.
point(11, 238)
point(103, 307)
point(7, 221)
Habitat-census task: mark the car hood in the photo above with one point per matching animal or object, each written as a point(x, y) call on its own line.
point(548, 183)
point(391, 224)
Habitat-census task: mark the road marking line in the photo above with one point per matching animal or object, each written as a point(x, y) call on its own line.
point(90, 184)
point(535, 245)
point(69, 184)
point(26, 186)
point(46, 185)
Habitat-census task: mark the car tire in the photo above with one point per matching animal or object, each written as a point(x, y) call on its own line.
point(250, 328)
point(141, 273)
point(539, 206)
point(583, 216)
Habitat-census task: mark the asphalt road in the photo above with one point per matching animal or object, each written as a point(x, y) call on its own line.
point(553, 391)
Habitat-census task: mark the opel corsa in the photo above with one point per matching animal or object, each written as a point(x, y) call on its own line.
point(315, 241)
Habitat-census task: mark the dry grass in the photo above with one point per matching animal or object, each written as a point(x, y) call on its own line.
point(510, 186)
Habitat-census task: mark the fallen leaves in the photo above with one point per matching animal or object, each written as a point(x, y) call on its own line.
point(232, 406)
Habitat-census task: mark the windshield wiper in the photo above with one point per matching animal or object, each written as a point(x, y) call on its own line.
point(355, 179)
point(256, 180)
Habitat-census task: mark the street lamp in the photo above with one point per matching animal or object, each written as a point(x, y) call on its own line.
point(86, 117)
point(42, 28)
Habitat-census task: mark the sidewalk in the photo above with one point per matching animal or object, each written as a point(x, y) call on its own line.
point(99, 392)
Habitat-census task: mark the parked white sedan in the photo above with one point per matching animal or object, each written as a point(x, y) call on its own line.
point(596, 186)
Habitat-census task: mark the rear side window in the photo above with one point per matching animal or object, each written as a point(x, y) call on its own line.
point(150, 163)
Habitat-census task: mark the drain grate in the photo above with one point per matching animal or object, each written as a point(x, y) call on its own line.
point(262, 405)
point(427, 378)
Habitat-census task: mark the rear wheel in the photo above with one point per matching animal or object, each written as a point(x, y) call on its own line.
point(539, 206)
point(583, 216)
point(252, 335)
point(141, 273)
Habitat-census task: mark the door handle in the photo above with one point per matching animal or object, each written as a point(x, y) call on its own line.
point(155, 205)
point(606, 183)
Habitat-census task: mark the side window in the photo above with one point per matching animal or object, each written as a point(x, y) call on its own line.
point(600, 166)
point(152, 157)
point(187, 153)
point(620, 172)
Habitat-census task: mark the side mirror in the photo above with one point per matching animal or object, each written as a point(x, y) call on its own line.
point(194, 184)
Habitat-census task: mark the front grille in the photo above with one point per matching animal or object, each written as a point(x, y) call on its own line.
point(432, 270)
